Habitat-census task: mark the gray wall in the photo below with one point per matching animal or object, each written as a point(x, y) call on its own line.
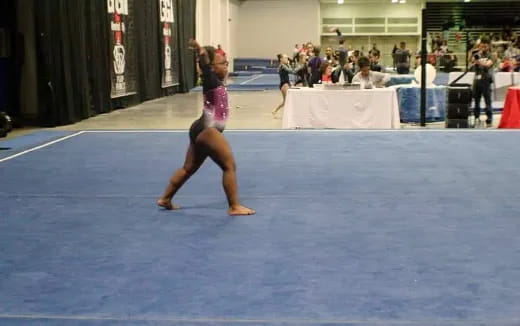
point(267, 28)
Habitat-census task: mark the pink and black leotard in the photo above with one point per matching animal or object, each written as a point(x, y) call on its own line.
point(216, 109)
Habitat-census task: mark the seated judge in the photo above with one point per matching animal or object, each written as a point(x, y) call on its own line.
point(327, 76)
point(367, 78)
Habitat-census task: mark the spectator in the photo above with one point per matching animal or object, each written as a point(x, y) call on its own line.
point(402, 59)
point(374, 49)
point(374, 61)
point(302, 71)
point(506, 65)
point(296, 51)
point(516, 63)
point(444, 47)
point(483, 62)
point(342, 53)
point(220, 51)
point(329, 55)
point(394, 50)
point(314, 66)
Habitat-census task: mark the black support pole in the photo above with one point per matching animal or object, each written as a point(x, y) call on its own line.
point(424, 58)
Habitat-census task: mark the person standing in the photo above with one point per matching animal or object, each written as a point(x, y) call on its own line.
point(402, 59)
point(482, 64)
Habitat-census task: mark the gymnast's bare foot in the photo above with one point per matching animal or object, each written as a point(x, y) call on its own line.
point(240, 210)
point(167, 204)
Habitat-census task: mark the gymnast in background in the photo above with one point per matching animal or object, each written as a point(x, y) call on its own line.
point(284, 69)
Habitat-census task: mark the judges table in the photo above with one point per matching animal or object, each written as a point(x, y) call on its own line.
point(341, 109)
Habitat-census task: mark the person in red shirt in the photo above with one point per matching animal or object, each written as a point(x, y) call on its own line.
point(220, 51)
point(506, 65)
point(516, 63)
point(326, 72)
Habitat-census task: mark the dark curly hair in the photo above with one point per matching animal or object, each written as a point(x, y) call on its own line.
point(363, 62)
point(211, 53)
point(324, 66)
point(485, 40)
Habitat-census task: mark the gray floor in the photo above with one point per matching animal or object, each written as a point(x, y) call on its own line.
point(249, 110)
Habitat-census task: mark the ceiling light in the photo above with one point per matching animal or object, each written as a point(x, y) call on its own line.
point(340, 2)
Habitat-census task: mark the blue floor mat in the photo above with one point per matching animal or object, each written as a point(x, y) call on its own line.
point(353, 228)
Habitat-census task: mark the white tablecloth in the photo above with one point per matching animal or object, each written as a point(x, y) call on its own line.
point(341, 109)
point(516, 78)
point(468, 79)
point(502, 79)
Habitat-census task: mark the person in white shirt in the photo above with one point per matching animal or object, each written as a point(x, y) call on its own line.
point(367, 78)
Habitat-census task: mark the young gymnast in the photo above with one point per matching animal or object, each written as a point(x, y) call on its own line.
point(206, 138)
point(283, 71)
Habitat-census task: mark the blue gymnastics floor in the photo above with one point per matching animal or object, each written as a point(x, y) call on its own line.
point(353, 228)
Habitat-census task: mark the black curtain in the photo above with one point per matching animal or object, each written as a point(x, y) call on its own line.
point(148, 31)
point(73, 60)
point(99, 63)
point(11, 60)
point(186, 11)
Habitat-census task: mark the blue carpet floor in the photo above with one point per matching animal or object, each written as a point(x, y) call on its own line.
point(353, 228)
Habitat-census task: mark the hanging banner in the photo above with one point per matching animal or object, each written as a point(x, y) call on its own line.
point(168, 44)
point(119, 15)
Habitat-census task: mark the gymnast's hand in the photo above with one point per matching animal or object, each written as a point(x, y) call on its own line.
point(193, 44)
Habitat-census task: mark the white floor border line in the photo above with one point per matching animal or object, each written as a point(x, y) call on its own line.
point(318, 131)
point(41, 146)
point(258, 320)
point(250, 80)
